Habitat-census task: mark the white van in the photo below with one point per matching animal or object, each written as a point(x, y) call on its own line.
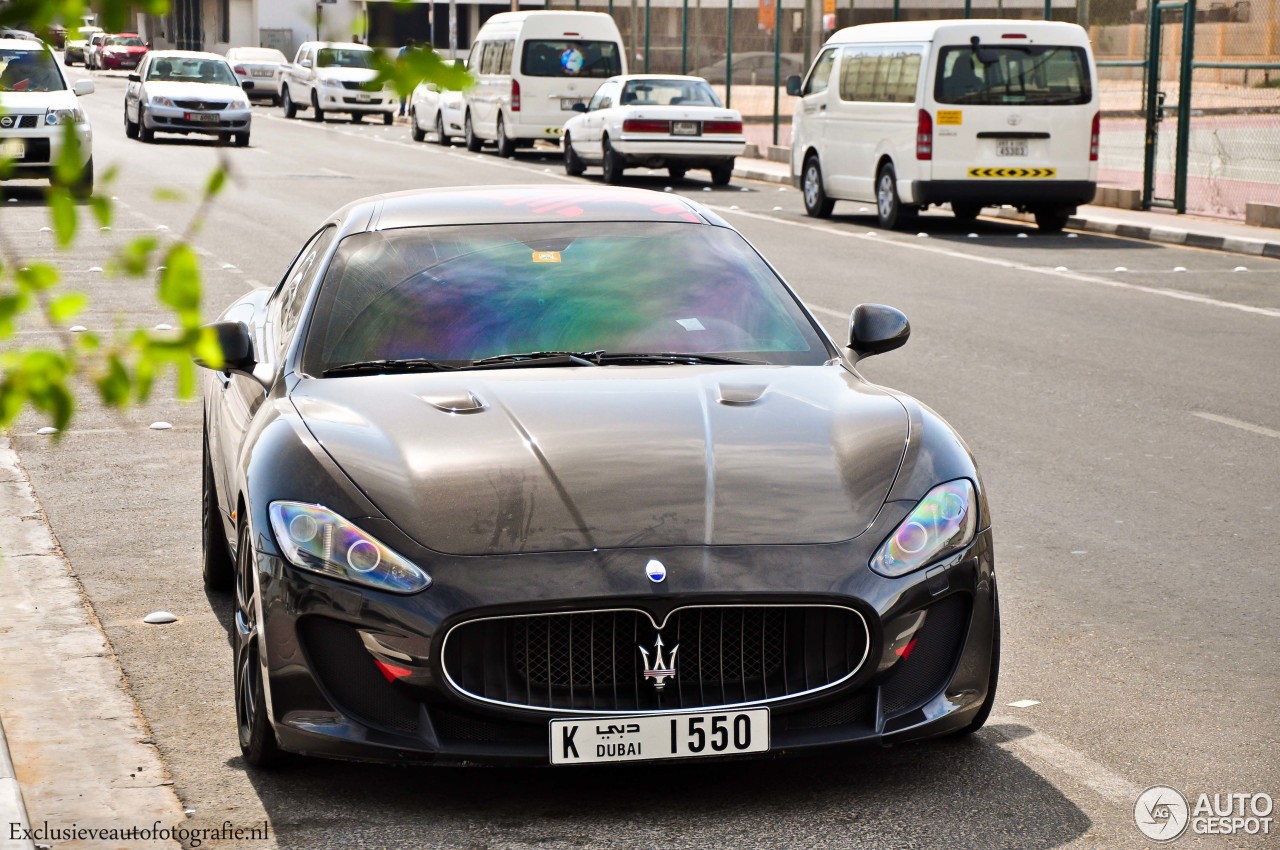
point(972, 113)
point(531, 68)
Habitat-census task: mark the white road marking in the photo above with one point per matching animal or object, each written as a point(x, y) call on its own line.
point(1236, 423)
point(1039, 747)
point(1006, 264)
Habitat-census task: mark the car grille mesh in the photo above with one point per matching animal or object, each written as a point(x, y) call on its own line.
point(916, 679)
point(213, 105)
point(592, 661)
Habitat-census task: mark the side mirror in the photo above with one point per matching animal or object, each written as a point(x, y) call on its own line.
point(579, 107)
point(305, 63)
point(793, 85)
point(247, 85)
point(875, 329)
point(83, 87)
point(135, 78)
point(148, 45)
point(236, 345)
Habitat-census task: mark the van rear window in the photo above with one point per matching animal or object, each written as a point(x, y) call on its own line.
point(566, 58)
point(1035, 75)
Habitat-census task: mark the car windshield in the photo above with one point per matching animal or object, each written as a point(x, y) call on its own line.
point(125, 41)
point(459, 294)
point(29, 70)
point(561, 58)
point(1032, 74)
point(180, 70)
point(342, 57)
point(669, 93)
point(257, 54)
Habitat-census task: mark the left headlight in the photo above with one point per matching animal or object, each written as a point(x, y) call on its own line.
point(157, 100)
point(943, 523)
point(331, 82)
point(240, 104)
point(315, 538)
point(64, 116)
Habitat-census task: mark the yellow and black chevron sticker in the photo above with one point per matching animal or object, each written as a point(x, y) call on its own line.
point(1013, 172)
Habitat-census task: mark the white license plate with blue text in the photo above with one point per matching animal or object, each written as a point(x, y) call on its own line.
point(650, 737)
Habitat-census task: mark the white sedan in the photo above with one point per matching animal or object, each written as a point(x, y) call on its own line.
point(260, 66)
point(657, 121)
point(436, 110)
point(179, 91)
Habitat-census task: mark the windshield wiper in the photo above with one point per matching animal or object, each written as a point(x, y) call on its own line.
point(407, 364)
point(674, 357)
point(541, 358)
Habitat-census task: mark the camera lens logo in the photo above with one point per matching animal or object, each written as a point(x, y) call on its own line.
point(1161, 813)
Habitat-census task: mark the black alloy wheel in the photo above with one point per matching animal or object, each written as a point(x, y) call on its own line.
point(257, 738)
point(217, 566)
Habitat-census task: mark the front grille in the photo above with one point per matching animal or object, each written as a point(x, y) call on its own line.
point(208, 105)
point(19, 122)
point(357, 86)
point(925, 671)
point(592, 661)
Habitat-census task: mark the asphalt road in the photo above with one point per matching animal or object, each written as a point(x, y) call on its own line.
point(1127, 423)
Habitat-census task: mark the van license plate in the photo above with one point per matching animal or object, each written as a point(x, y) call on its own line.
point(1011, 149)
point(659, 736)
point(686, 128)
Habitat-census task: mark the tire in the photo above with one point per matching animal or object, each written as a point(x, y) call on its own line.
point(1052, 219)
point(677, 172)
point(980, 719)
point(388, 119)
point(889, 209)
point(317, 114)
point(816, 202)
point(290, 108)
point(506, 146)
point(224, 138)
point(613, 166)
point(966, 212)
point(722, 174)
point(145, 133)
point(573, 164)
point(441, 138)
point(257, 737)
point(66, 60)
point(242, 139)
point(357, 117)
point(275, 100)
point(216, 565)
point(82, 189)
point(130, 127)
point(419, 134)
point(474, 142)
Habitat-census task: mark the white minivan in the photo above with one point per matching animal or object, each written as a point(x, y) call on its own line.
point(531, 69)
point(971, 113)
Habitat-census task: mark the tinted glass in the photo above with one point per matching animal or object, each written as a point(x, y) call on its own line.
point(463, 293)
point(180, 70)
point(1033, 75)
point(125, 41)
point(29, 70)
point(562, 58)
point(344, 57)
point(880, 73)
point(669, 93)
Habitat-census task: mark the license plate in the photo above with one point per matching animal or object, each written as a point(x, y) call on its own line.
point(364, 98)
point(567, 103)
point(262, 72)
point(200, 117)
point(12, 149)
point(659, 736)
point(1011, 149)
point(686, 128)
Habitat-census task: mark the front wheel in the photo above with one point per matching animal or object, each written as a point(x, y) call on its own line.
point(889, 208)
point(217, 567)
point(506, 145)
point(145, 133)
point(573, 164)
point(613, 166)
point(317, 114)
point(1052, 219)
point(290, 108)
point(816, 202)
point(130, 127)
point(474, 142)
point(357, 117)
point(417, 132)
point(82, 189)
point(388, 118)
point(257, 738)
point(441, 137)
point(677, 172)
point(722, 173)
point(242, 140)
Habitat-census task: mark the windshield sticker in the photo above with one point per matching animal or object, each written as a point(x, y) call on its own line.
point(572, 60)
point(691, 324)
point(546, 256)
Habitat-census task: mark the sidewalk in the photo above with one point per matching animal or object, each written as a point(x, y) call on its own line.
point(13, 811)
point(1152, 226)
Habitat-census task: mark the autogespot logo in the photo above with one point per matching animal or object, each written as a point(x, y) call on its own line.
point(1161, 813)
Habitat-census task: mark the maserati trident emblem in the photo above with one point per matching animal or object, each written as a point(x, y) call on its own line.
point(655, 570)
point(659, 670)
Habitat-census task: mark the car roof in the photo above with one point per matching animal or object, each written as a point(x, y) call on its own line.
point(185, 54)
point(626, 78)
point(519, 204)
point(892, 31)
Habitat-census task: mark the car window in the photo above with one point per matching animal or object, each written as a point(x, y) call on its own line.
point(29, 70)
point(343, 57)
point(285, 306)
point(189, 70)
point(603, 93)
point(880, 73)
point(569, 58)
point(668, 93)
point(125, 41)
point(1043, 75)
point(820, 76)
point(467, 292)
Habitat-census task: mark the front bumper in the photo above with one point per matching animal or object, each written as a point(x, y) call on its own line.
point(355, 100)
point(42, 147)
point(172, 119)
point(327, 697)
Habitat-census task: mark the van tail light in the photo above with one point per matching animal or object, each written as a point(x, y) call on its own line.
point(1093, 136)
point(924, 136)
point(515, 95)
point(239, 69)
point(645, 125)
point(730, 127)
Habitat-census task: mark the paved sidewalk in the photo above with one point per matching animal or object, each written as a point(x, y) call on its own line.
point(13, 811)
point(1152, 226)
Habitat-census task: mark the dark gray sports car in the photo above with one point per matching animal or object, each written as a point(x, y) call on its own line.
point(569, 475)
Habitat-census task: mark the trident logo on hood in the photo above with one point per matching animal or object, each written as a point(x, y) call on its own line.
point(659, 671)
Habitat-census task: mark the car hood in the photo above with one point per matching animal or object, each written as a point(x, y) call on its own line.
point(126, 48)
point(351, 75)
point(537, 460)
point(24, 102)
point(193, 91)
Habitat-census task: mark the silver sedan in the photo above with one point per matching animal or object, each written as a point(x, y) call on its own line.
point(178, 91)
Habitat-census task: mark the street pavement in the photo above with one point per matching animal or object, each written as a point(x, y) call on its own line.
point(1128, 428)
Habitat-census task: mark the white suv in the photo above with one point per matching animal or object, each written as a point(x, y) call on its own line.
point(328, 76)
point(35, 107)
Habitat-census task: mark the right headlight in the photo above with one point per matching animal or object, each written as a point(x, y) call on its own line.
point(943, 523)
point(331, 82)
point(315, 538)
point(161, 101)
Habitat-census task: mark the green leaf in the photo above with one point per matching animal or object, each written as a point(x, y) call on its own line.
point(101, 205)
point(37, 277)
point(217, 180)
point(206, 348)
point(62, 209)
point(114, 385)
point(68, 306)
point(12, 305)
point(66, 171)
point(180, 283)
point(164, 193)
point(135, 257)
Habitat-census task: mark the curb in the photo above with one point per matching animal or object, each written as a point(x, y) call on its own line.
point(1148, 233)
point(13, 811)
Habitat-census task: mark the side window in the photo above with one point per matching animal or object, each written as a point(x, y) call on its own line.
point(604, 97)
point(286, 303)
point(820, 76)
point(476, 57)
point(504, 63)
point(492, 53)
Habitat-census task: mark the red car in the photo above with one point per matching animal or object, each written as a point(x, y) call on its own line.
point(122, 51)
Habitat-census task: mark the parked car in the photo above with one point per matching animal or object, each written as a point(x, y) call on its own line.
point(328, 76)
point(262, 66)
point(657, 121)
point(91, 49)
point(120, 52)
point(73, 51)
point(569, 475)
point(10, 32)
point(35, 106)
point(753, 68)
point(432, 109)
point(180, 91)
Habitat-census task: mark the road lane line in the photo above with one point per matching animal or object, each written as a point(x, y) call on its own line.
point(1046, 750)
point(1006, 264)
point(1236, 423)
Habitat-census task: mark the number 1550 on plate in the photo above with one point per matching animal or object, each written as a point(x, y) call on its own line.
point(659, 736)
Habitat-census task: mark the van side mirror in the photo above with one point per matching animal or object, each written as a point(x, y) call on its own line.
point(875, 329)
point(83, 87)
point(793, 85)
point(236, 345)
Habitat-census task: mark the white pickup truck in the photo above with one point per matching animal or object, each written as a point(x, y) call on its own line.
point(328, 76)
